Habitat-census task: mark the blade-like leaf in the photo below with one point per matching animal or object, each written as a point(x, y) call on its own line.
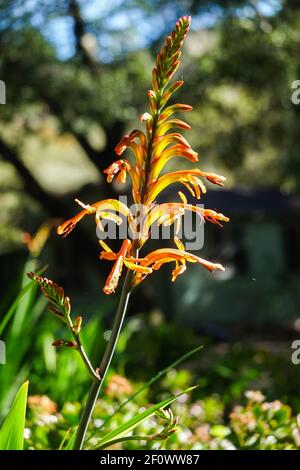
point(69, 437)
point(6, 318)
point(71, 442)
point(125, 428)
point(12, 431)
point(152, 438)
point(13, 307)
point(150, 382)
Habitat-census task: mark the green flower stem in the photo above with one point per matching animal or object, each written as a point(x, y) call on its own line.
point(84, 356)
point(105, 363)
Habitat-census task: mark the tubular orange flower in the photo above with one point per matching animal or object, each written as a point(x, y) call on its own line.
point(129, 141)
point(99, 209)
point(171, 210)
point(120, 167)
point(122, 257)
point(188, 178)
point(167, 255)
point(152, 151)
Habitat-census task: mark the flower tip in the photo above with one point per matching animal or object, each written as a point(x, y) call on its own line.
point(62, 230)
point(186, 19)
point(216, 267)
point(184, 107)
point(108, 290)
point(121, 146)
point(151, 94)
point(145, 117)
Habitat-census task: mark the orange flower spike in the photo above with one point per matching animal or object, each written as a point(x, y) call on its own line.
point(152, 151)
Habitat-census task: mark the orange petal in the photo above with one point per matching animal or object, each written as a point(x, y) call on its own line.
point(170, 90)
point(105, 205)
point(115, 274)
point(139, 150)
point(169, 124)
point(161, 142)
point(187, 177)
point(166, 255)
point(173, 151)
point(175, 108)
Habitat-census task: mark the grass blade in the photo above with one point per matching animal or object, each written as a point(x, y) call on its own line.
point(66, 438)
point(71, 441)
point(125, 428)
point(12, 431)
point(15, 304)
point(150, 382)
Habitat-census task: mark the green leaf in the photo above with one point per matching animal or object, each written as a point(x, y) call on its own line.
point(148, 384)
point(25, 303)
point(125, 428)
point(71, 442)
point(12, 431)
point(15, 305)
point(70, 439)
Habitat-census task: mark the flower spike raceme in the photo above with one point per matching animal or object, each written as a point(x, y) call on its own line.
point(151, 150)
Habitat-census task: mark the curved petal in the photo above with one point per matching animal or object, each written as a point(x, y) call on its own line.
point(174, 108)
point(120, 168)
point(139, 150)
point(170, 90)
point(165, 255)
point(173, 151)
point(161, 142)
point(157, 258)
point(170, 124)
point(101, 206)
point(173, 210)
point(183, 176)
point(115, 274)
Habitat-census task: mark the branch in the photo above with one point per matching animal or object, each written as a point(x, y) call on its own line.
point(87, 58)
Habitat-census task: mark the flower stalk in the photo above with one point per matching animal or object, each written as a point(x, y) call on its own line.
point(105, 363)
point(152, 150)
